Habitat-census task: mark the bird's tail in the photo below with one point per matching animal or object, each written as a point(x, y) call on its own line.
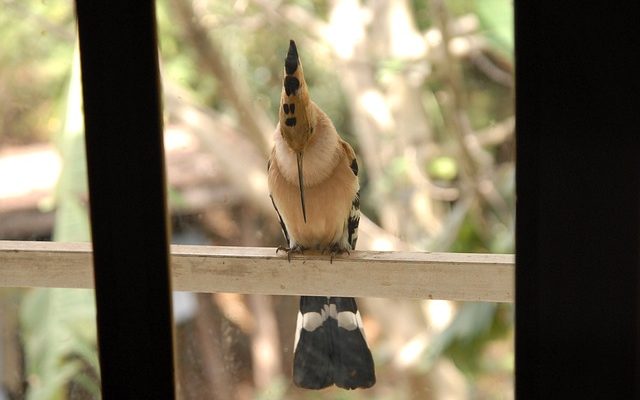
point(330, 346)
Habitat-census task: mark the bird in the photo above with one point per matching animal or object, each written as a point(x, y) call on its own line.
point(314, 188)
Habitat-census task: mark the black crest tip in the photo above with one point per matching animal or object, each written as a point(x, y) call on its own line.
point(291, 62)
point(293, 50)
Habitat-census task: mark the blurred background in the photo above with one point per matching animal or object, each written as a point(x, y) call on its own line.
point(422, 89)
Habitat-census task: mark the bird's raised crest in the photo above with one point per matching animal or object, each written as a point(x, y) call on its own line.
point(297, 113)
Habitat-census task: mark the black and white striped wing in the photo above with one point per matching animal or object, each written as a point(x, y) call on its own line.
point(354, 213)
point(354, 221)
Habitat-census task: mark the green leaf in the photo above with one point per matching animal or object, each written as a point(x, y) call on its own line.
point(474, 327)
point(58, 330)
point(72, 218)
point(496, 17)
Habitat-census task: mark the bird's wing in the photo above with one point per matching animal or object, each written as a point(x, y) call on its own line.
point(354, 213)
point(354, 221)
point(282, 225)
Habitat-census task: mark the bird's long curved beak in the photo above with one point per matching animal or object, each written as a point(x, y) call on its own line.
point(301, 183)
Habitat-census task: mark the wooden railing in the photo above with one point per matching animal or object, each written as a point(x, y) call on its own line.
point(450, 276)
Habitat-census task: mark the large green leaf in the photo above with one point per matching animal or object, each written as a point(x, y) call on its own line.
point(72, 218)
point(58, 326)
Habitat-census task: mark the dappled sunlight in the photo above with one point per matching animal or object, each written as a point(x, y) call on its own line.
point(176, 139)
point(24, 172)
point(375, 105)
point(345, 31)
point(439, 312)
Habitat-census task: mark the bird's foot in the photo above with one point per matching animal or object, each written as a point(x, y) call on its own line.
point(294, 249)
point(334, 250)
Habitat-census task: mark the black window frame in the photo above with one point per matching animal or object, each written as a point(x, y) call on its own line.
point(128, 202)
point(578, 201)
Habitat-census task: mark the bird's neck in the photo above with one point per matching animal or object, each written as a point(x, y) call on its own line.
point(321, 154)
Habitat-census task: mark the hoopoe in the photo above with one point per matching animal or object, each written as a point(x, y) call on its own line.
point(313, 183)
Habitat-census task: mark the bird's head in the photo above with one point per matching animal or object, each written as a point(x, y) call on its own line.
point(296, 115)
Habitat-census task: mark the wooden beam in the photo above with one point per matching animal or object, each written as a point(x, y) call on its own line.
point(450, 276)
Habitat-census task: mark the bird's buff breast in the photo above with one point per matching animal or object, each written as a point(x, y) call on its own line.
point(327, 203)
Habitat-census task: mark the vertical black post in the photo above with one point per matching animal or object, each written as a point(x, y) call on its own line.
point(578, 201)
point(122, 106)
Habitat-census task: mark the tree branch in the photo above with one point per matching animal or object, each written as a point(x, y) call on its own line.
point(251, 117)
point(475, 161)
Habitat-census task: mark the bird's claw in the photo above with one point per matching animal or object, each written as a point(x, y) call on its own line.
point(289, 250)
point(336, 250)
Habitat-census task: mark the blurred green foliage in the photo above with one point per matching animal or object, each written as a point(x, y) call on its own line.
point(496, 17)
point(35, 59)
